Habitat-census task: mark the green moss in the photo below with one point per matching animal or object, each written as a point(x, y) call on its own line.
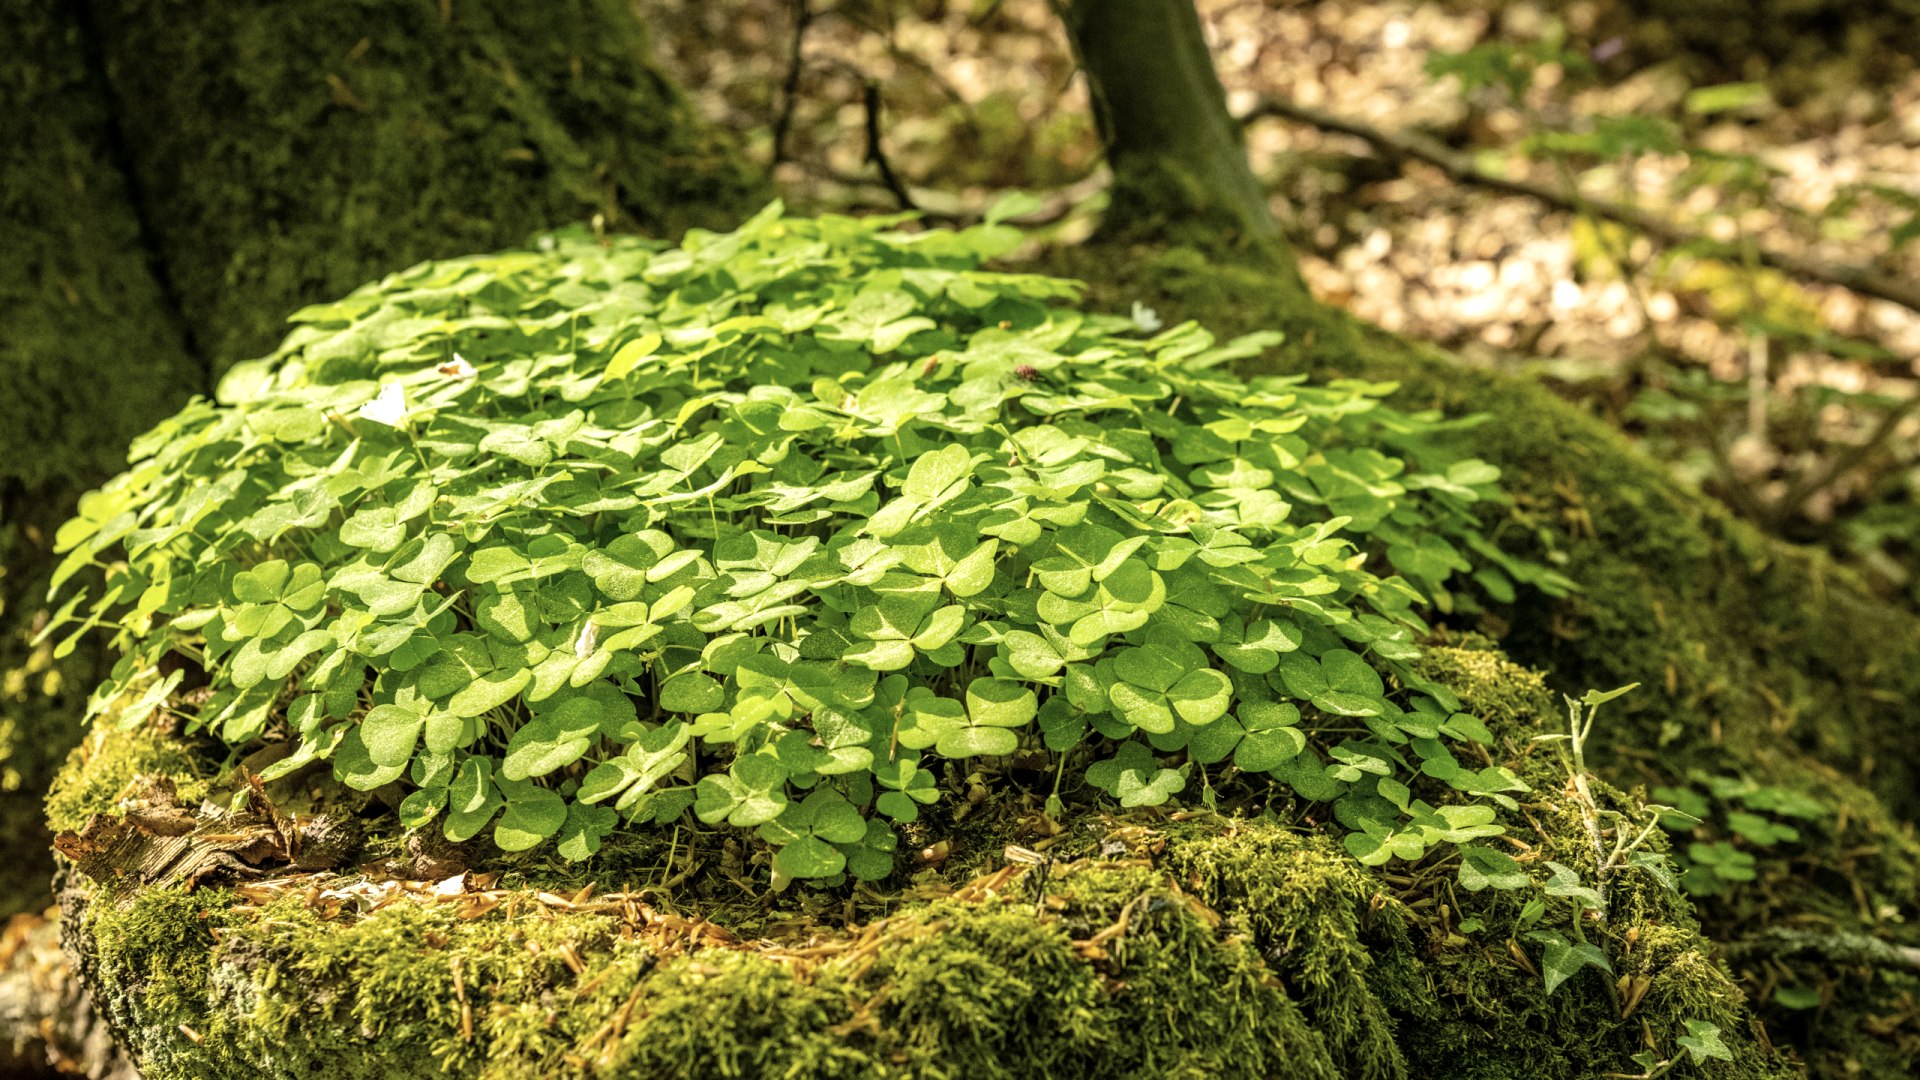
point(1203, 946)
point(1512, 699)
point(1125, 977)
point(288, 151)
point(1303, 902)
point(102, 769)
point(91, 355)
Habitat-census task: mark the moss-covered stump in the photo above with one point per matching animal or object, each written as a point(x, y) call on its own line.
point(1146, 945)
point(1763, 664)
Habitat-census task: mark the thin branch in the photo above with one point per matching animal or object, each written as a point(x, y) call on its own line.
point(876, 152)
point(1403, 146)
point(1841, 464)
point(1840, 948)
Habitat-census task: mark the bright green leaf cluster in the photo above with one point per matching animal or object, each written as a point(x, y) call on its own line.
point(764, 528)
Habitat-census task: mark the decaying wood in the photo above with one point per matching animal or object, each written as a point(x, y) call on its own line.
point(158, 841)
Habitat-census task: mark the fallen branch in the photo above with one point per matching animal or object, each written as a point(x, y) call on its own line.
point(1406, 146)
point(1839, 948)
point(1845, 462)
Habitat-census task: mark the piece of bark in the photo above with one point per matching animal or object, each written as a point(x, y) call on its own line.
point(158, 841)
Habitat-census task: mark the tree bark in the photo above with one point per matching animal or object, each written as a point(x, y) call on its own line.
point(48, 1026)
point(1178, 161)
point(91, 353)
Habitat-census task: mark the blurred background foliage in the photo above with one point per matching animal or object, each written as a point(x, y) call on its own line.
point(1470, 173)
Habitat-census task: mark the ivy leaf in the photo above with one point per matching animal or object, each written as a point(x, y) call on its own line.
point(1562, 959)
point(1702, 1041)
point(1566, 882)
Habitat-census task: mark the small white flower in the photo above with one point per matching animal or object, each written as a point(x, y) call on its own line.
point(390, 408)
point(589, 637)
point(1145, 318)
point(456, 368)
point(545, 243)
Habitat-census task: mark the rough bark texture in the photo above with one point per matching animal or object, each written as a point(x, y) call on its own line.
point(287, 152)
point(91, 354)
point(48, 1026)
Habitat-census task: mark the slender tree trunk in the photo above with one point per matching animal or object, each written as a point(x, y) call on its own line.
point(1179, 167)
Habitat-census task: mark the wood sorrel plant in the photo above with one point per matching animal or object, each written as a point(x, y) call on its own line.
point(762, 527)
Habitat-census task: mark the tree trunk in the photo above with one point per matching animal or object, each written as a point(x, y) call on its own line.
point(1178, 162)
point(289, 151)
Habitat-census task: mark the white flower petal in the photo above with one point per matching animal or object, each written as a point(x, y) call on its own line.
point(390, 408)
